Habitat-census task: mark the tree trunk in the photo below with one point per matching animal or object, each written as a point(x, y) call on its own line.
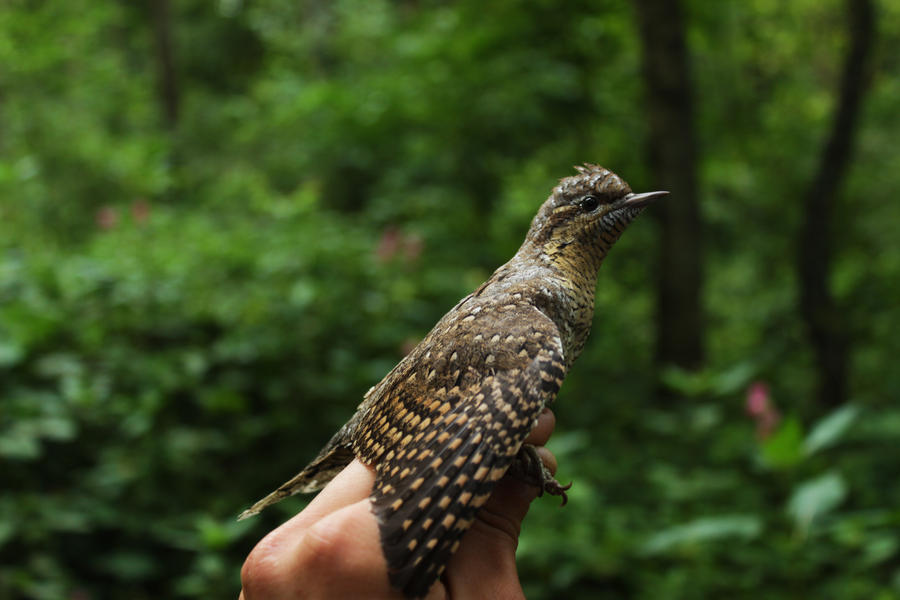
point(823, 318)
point(167, 80)
point(672, 154)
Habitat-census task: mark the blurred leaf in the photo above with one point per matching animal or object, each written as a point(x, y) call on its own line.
point(217, 534)
point(685, 382)
point(56, 428)
point(133, 566)
point(19, 442)
point(566, 443)
point(710, 382)
point(816, 497)
point(7, 530)
point(880, 548)
point(785, 447)
point(830, 429)
point(212, 533)
point(703, 530)
point(10, 353)
point(733, 379)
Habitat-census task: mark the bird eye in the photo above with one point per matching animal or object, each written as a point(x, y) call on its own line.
point(589, 203)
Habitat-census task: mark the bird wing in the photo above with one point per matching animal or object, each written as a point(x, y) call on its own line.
point(441, 445)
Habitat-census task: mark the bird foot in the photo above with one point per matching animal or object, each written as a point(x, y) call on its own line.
point(528, 467)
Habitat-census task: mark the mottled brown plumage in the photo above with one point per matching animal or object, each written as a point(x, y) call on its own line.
point(448, 421)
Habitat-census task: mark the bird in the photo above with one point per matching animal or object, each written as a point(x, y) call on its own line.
point(450, 419)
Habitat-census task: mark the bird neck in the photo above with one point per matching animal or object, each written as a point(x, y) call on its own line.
point(558, 284)
point(562, 269)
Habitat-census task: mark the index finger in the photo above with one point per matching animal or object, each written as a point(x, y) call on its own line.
point(349, 486)
point(541, 433)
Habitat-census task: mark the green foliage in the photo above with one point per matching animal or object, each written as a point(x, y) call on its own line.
point(187, 315)
point(703, 530)
point(813, 499)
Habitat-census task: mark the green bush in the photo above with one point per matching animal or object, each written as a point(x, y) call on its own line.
point(188, 313)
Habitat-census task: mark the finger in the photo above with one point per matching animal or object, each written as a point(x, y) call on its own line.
point(506, 508)
point(483, 567)
point(338, 556)
point(547, 458)
point(508, 504)
point(487, 552)
point(541, 433)
point(349, 486)
point(269, 564)
point(485, 564)
point(341, 554)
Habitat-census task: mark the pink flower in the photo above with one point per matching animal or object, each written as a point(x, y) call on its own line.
point(388, 245)
point(758, 398)
point(761, 409)
point(394, 242)
point(107, 217)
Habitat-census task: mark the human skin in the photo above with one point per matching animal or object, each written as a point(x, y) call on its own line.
point(332, 549)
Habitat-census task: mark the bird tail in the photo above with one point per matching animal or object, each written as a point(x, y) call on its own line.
point(330, 461)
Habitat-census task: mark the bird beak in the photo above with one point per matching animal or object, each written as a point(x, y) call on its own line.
point(641, 200)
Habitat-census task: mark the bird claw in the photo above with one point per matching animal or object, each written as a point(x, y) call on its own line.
point(554, 488)
point(529, 467)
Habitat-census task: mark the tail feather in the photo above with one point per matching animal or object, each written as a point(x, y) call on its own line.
point(333, 458)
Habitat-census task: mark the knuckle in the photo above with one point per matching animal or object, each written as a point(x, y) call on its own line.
point(321, 546)
point(275, 569)
point(260, 574)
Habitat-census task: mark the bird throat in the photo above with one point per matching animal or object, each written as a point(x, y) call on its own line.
point(573, 268)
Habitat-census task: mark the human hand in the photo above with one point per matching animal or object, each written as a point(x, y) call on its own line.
point(332, 548)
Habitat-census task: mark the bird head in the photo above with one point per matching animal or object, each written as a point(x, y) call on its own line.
point(585, 215)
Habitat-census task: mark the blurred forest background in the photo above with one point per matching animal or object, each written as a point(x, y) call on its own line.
point(221, 222)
